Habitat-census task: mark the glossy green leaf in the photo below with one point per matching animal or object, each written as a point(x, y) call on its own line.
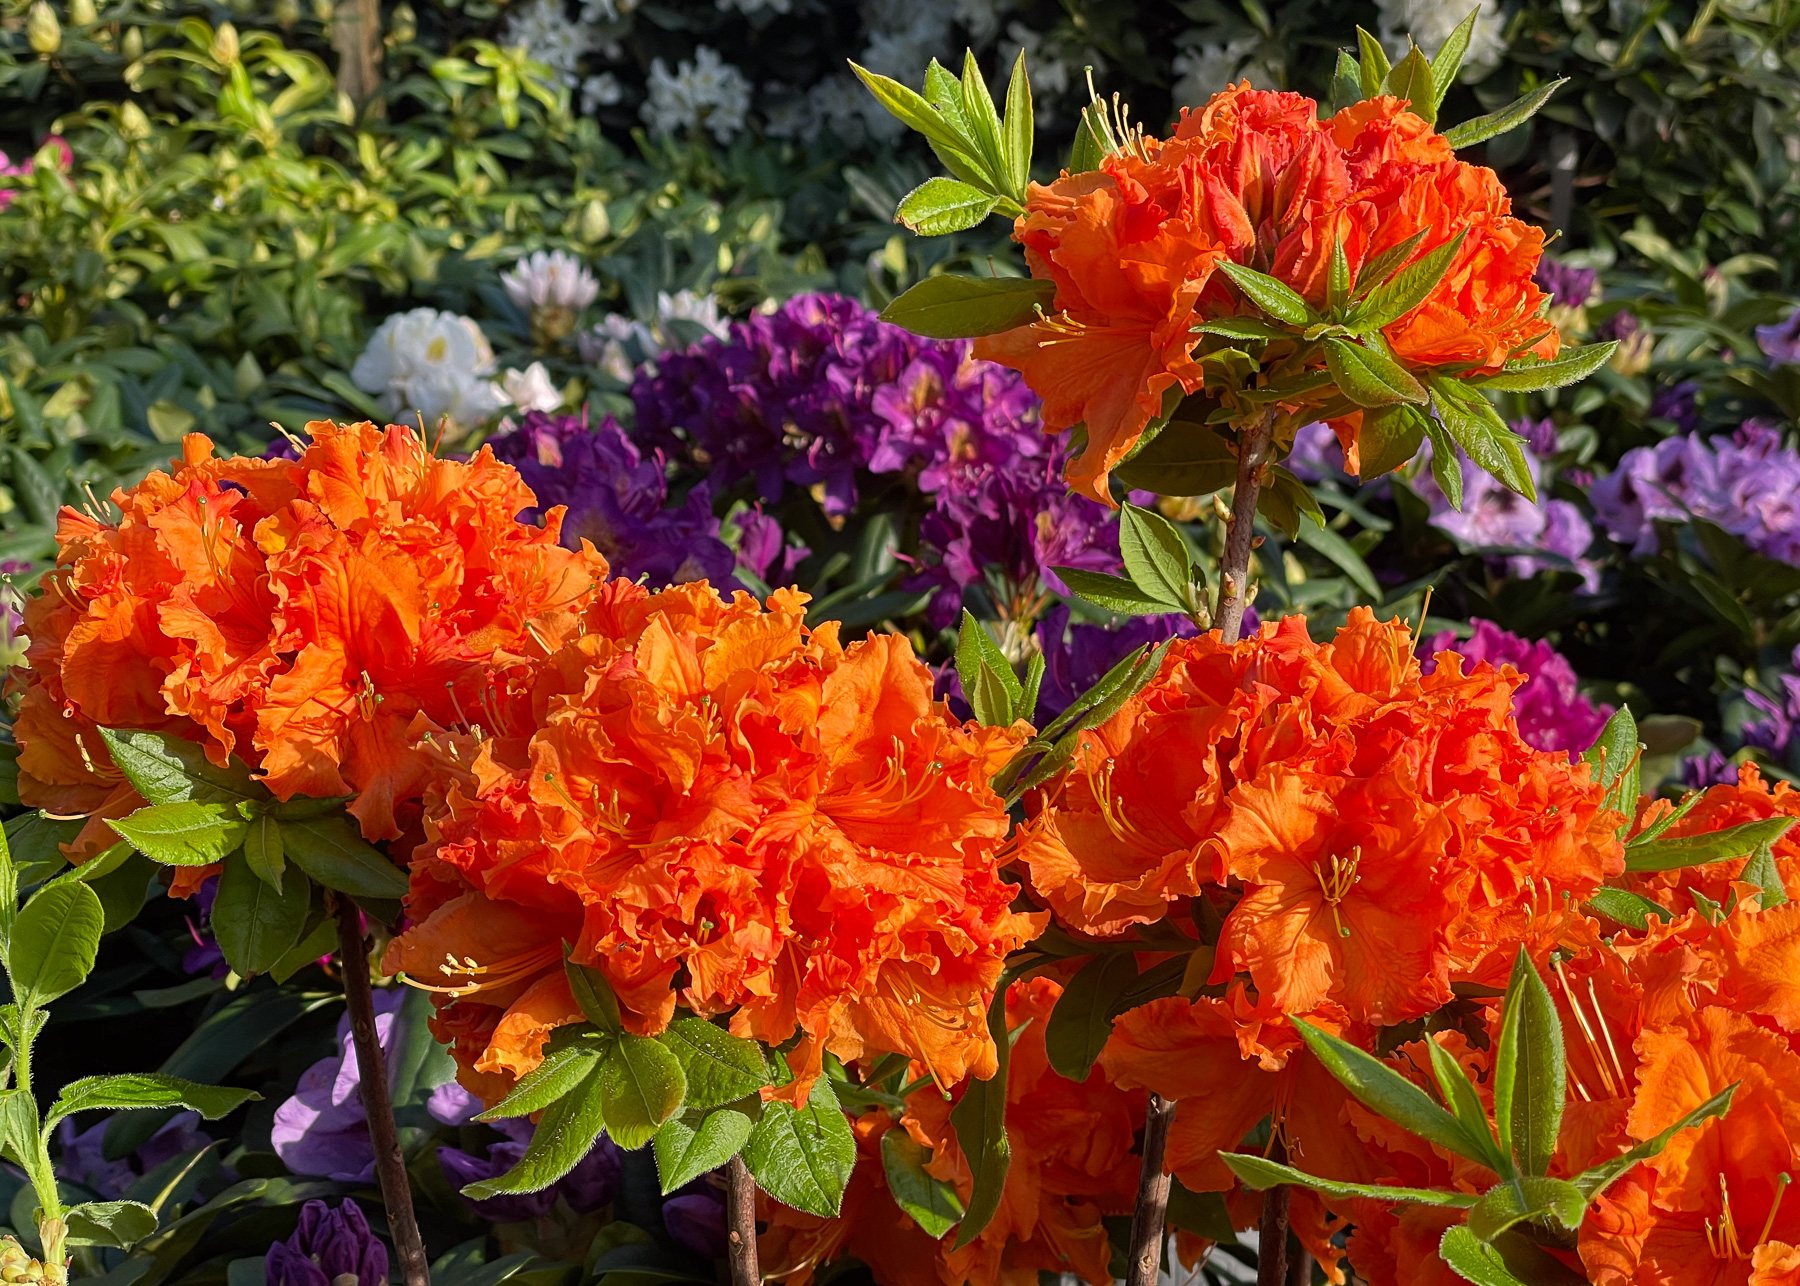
point(1382, 267)
point(1114, 593)
point(693, 1142)
point(1447, 61)
point(1018, 130)
point(1156, 557)
point(187, 833)
point(1337, 278)
point(1089, 148)
point(1411, 79)
point(1185, 459)
point(1346, 82)
point(1477, 428)
point(1510, 117)
point(263, 849)
point(983, 119)
point(1571, 366)
point(950, 307)
point(1273, 296)
point(1614, 756)
point(1389, 437)
point(1533, 1197)
point(1369, 378)
point(1446, 468)
point(1259, 1172)
point(1254, 329)
point(1374, 63)
point(1384, 1091)
point(720, 1068)
point(642, 1086)
point(254, 924)
point(1406, 289)
point(932, 1203)
point(1464, 1102)
point(1593, 1182)
point(565, 1067)
point(909, 107)
point(146, 1089)
point(803, 1158)
point(1625, 907)
point(940, 205)
point(1083, 1017)
point(54, 941)
point(979, 1119)
point(334, 854)
point(565, 1134)
point(1673, 852)
point(119, 1224)
point(1339, 551)
point(1530, 1071)
point(1762, 871)
point(166, 769)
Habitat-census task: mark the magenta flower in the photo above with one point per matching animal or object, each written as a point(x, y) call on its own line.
point(1551, 712)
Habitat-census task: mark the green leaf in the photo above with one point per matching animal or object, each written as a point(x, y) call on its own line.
point(1381, 268)
point(1390, 437)
point(120, 1224)
point(983, 120)
point(692, 1142)
point(1083, 1016)
point(1477, 428)
point(9, 892)
point(1473, 1259)
point(191, 833)
point(949, 307)
point(988, 681)
point(1406, 289)
point(595, 996)
point(145, 1089)
point(720, 1068)
point(1346, 82)
point(1259, 1172)
point(1411, 79)
point(803, 1158)
point(254, 924)
point(1089, 147)
point(1374, 67)
point(169, 770)
point(1274, 297)
point(1448, 59)
point(1594, 1181)
point(1156, 557)
point(1464, 1103)
point(1369, 378)
point(1246, 328)
point(318, 940)
point(907, 106)
point(333, 852)
point(1532, 375)
point(565, 1134)
point(565, 1067)
point(1202, 1213)
point(1668, 854)
point(979, 1120)
point(1018, 130)
point(1513, 115)
point(1384, 1091)
point(54, 941)
point(642, 1086)
point(1530, 1071)
point(1334, 547)
point(1446, 467)
point(18, 1125)
point(1034, 680)
point(1625, 907)
point(932, 1203)
point(1762, 871)
point(1337, 280)
point(1285, 500)
point(1614, 756)
point(1185, 459)
point(1531, 1197)
point(940, 205)
point(263, 850)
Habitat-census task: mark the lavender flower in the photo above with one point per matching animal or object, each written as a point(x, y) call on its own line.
point(329, 1248)
point(1497, 518)
point(322, 1129)
point(590, 1185)
point(763, 551)
point(1781, 341)
point(1077, 656)
point(1711, 769)
point(1551, 712)
point(1750, 486)
point(1678, 403)
point(1567, 285)
point(1317, 454)
point(81, 1159)
point(616, 498)
point(695, 1217)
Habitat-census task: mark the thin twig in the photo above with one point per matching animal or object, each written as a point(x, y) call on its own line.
point(390, 1165)
point(1234, 571)
point(1149, 1217)
point(740, 1219)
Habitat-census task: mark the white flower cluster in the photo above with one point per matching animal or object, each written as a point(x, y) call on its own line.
point(549, 37)
point(607, 10)
point(620, 344)
point(1430, 22)
point(550, 279)
point(755, 6)
point(1200, 73)
point(705, 92)
point(432, 364)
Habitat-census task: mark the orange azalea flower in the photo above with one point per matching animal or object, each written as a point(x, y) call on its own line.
point(313, 617)
point(1071, 1164)
point(1374, 833)
point(720, 808)
point(1255, 177)
point(1751, 799)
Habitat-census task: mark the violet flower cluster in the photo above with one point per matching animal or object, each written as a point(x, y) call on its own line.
point(1567, 285)
point(329, 1248)
point(591, 1185)
point(1551, 711)
point(322, 1129)
point(1078, 656)
point(81, 1157)
point(1748, 484)
point(1780, 342)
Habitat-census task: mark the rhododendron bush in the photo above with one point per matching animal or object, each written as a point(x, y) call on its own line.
point(971, 938)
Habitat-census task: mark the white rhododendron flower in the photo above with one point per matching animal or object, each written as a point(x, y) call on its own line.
point(531, 389)
point(549, 37)
point(550, 279)
point(1430, 22)
point(707, 91)
point(431, 364)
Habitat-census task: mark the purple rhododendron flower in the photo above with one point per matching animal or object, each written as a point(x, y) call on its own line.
point(1621, 326)
point(1710, 769)
point(590, 1185)
point(1551, 712)
point(1078, 656)
point(1749, 485)
point(1567, 285)
point(329, 1248)
point(81, 1159)
point(1774, 732)
point(1678, 403)
point(322, 1129)
point(618, 498)
point(695, 1217)
point(1495, 517)
point(1781, 341)
point(763, 550)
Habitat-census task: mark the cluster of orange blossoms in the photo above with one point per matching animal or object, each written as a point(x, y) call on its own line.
point(1072, 1164)
point(315, 618)
point(718, 808)
point(1256, 178)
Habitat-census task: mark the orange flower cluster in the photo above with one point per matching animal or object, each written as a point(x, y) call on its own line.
point(1370, 834)
point(1722, 806)
point(1072, 1163)
point(1256, 178)
point(719, 808)
point(313, 617)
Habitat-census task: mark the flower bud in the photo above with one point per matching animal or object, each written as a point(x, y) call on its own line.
point(42, 30)
point(132, 44)
point(595, 223)
point(225, 45)
point(81, 12)
point(133, 124)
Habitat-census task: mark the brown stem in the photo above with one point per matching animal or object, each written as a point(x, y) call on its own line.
point(740, 1218)
point(390, 1166)
point(1150, 1217)
point(1300, 1268)
point(1272, 1232)
point(1234, 571)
